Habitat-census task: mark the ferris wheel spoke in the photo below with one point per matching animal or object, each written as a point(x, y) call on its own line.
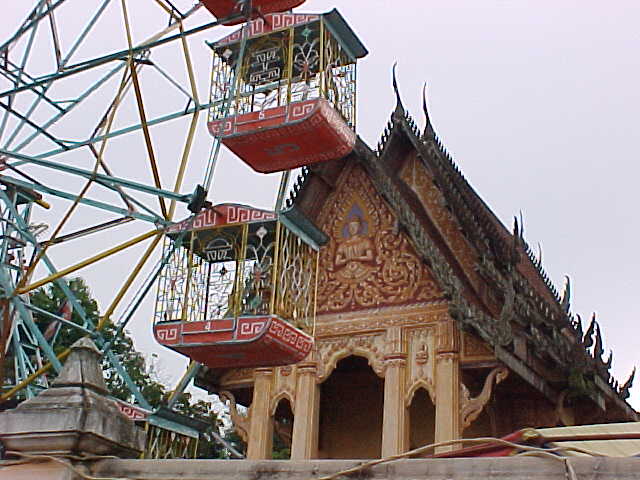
point(35, 331)
point(72, 104)
point(58, 318)
point(23, 229)
point(154, 218)
point(32, 21)
point(106, 180)
point(89, 261)
point(123, 131)
point(120, 55)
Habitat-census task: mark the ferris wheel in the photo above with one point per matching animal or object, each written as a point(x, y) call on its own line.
point(238, 280)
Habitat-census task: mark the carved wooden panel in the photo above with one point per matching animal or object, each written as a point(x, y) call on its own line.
point(367, 262)
point(474, 349)
point(329, 325)
point(284, 386)
point(332, 350)
point(421, 343)
point(416, 176)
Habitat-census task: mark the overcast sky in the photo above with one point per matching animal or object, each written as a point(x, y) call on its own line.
point(537, 101)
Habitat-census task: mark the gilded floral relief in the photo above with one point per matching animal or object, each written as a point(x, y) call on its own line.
point(367, 263)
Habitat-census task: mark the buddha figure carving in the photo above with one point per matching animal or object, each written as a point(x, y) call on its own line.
point(355, 251)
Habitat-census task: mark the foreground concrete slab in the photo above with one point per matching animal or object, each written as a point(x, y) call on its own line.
point(74, 416)
point(424, 469)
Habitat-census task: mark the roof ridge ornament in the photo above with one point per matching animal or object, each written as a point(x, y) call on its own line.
point(565, 302)
point(429, 132)
point(399, 110)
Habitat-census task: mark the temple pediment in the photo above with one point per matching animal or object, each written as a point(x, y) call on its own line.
point(368, 262)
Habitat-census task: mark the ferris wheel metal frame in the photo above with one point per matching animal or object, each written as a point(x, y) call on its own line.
point(22, 252)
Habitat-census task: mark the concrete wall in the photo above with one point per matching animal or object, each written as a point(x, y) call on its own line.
point(441, 469)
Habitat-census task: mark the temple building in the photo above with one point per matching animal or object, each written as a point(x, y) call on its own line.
point(434, 321)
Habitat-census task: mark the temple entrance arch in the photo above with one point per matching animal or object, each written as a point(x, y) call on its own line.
point(351, 411)
point(283, 419)
point(421, 419)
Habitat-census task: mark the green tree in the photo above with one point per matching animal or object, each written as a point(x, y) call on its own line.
point(51, 298)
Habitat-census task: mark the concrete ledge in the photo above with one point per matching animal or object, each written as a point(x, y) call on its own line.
point(423, 469)
point(35, 471)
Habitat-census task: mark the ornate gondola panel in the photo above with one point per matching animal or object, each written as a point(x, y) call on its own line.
point(246, 294)
point(283, 90)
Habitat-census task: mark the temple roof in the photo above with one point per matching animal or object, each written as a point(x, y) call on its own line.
point(515, 308)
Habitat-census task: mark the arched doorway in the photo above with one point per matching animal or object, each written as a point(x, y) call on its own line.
point(422, 420)
point(351, 410)
point(282, 430)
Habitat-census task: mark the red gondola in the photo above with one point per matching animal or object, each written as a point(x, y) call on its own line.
point(287, 97)
point(226, 8)
point(238, 289)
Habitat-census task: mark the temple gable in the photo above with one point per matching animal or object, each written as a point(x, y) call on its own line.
point(368, 263)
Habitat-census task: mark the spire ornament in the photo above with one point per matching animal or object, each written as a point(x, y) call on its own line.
point(587, 340)
point(565, 303)
point(429, 132)
point(624, 390)
point(399, 111)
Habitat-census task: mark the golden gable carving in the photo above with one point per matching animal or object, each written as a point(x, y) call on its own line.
point(367, 262)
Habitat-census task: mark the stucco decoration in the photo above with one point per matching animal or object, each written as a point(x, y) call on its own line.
point(416, 176)
point(241, 422)
point(420, 362)
point(332, 350)
point(284, 386)
point(471, 408)
point(367, 263)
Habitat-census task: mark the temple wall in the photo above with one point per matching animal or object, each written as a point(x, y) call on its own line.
point(377, 301)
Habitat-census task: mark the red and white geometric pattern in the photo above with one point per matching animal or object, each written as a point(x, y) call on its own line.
point(253, 342)
point(306, 132)
point(274, 22)
point(131, 411)
point(224, 214)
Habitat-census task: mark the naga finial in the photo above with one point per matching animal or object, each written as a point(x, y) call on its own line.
point(598, 349)
point(609, 361)
point(399, 107)
point(624, 390)
point(428, 128)
point(565, 303)
point(587, 340)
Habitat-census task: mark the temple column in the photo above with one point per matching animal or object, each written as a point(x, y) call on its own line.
point(304, 445)
point(447, 385)
point(261, 427)
point(394, 419)
point(393, 422)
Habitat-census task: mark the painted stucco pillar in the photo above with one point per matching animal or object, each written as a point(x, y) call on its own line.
point(395, 413)
point(261, 427)
point(304, 445)
point(447, 384)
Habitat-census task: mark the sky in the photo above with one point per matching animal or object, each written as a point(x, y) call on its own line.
point(536, 101)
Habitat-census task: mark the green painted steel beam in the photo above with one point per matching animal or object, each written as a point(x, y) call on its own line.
point(58, 318)
point(121, 55)
point(67, 57)
point(85, 201)
point(30, 324)
point(35, 17)
point(101, 178)
point(87, 323)
point(131, 385)
point(123, 131)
